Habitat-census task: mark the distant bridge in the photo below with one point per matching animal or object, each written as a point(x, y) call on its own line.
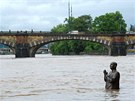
point(25, 43)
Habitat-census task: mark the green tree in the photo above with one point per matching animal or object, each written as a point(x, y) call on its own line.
point(60, 48)
point(61, 28)
point(69, 23)
point(76, 46)
point(83, 23)
point(110, 22)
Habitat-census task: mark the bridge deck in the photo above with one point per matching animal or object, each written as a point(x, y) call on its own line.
point(47, 33)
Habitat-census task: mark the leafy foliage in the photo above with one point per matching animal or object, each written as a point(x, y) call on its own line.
point(109, 22)
point(59, 28)
point(82, 23)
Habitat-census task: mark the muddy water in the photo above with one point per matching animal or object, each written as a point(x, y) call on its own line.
point(64, 78)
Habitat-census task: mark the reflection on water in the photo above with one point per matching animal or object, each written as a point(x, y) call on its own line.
point(112, 94)
point(64, 78)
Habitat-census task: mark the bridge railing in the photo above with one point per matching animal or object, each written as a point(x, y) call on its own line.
point(51, 33)
point(21, 32)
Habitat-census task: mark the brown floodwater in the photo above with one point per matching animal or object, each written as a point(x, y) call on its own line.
point(64, 78)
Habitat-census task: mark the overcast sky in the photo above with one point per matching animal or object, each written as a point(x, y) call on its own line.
point(44, 14)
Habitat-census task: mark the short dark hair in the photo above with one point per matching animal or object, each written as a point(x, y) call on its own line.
point(114, 63)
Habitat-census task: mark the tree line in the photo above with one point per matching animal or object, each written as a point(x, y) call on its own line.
point(108, 23)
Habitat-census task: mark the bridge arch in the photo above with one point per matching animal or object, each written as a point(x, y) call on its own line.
point(9, 44)
point(7, 50)
point(60, 38)
point(130, 42)
point(37, 44)
point(34, 49)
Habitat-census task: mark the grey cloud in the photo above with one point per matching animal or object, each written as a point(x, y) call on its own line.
point(44, 14)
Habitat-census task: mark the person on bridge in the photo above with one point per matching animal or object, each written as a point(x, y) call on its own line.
point(112, 79)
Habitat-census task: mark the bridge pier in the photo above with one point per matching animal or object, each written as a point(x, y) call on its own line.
point(118, 49)
point(118, 45)
point(22, 50)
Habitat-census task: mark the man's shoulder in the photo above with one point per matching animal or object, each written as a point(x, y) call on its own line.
point(117, 72)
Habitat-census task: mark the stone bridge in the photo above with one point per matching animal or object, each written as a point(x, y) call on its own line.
point(25, 43)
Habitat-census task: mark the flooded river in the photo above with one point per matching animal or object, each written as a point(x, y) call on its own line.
point(64, 78)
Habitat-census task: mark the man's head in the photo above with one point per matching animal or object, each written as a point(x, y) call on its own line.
point(113, 66)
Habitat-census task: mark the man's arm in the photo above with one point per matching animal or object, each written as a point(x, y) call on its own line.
point(113, 78)
point(105, 75)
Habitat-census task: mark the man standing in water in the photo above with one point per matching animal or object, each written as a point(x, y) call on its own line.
point(112, 79)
